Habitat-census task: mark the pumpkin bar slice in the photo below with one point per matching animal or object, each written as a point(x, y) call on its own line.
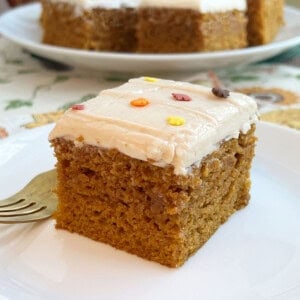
point(154, 167)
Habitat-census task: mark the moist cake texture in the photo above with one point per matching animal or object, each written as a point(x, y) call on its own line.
point(145, 26)
point(265, 20)
point(189, 26)
point(154, 166)
point(62, 27)
point(80, 24)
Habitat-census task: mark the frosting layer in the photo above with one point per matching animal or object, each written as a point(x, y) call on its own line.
point(108, 4)
point(204, 6)
point(164, 131)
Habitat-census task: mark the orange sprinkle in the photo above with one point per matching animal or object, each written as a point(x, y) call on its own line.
point(139, 102)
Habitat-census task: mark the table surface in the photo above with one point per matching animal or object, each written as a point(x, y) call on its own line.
point(35, 92)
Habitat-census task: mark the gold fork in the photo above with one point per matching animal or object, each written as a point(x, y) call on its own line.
point(36, 201)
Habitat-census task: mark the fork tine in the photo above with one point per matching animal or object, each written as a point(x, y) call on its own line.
point(27, 211)
point(11, 201)
point(17, 206)
point(34, 202)
point(33, 217)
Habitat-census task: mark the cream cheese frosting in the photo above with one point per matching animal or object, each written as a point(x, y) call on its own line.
point(204, 6)
point(110, 121)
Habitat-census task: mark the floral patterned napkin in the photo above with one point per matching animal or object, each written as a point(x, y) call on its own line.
point(35, 91)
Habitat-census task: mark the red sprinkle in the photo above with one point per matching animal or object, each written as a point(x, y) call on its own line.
point(181, 97)
point(77, 107)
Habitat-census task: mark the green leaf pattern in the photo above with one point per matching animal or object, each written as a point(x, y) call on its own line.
point(17, 103)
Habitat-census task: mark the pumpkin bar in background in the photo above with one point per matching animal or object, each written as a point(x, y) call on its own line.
point(190, 26)
point(91, 25)
point(154, 167)
point(62, 26)
point(266, 17)
point(160, 26)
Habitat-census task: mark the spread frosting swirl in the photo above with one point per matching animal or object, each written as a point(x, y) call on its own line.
point(144, 133)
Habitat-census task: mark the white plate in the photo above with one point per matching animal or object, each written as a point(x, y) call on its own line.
point(21, 26)
point(255, 255)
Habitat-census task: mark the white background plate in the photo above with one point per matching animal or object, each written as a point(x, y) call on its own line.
point(22, 26)
point(255, 255)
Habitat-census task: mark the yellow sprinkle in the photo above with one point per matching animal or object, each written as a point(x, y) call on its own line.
point(150, 79)
point(176, 121)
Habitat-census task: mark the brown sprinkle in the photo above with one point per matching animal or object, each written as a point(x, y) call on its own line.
point(219, 92)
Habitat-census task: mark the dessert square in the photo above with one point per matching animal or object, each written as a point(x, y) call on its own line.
point(65, 25)
point(266, 17)
point(154, 167)
point(84, 25)
point(169, 30)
